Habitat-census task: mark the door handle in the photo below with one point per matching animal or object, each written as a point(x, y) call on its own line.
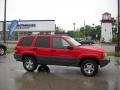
point(34, 48)
point(53, 50)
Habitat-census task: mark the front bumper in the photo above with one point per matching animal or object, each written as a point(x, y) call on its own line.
point(18, 57)
point(104, 61)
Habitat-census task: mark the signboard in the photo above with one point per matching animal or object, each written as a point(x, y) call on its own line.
point(31, 25)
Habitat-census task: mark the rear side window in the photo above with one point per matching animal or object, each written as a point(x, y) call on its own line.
point(43, 41)
point(26, 41)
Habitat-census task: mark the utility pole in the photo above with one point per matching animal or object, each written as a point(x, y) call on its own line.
point(119, 23)
point(4, 23)
point(117, 47)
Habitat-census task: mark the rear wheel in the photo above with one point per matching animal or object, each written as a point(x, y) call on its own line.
point(29, 63)
point(89, 68)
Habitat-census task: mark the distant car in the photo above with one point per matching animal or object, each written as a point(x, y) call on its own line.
point(78, 39)
point(3, 49)
point(82, 41)
point(89, 42)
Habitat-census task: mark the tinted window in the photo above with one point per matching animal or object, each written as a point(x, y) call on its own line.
point(59, 43)
point(43, 42)
point(26, 41)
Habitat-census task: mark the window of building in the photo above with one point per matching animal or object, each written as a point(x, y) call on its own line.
point(105, 30)
point(43, 41)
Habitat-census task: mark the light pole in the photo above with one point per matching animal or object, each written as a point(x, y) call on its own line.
point(4, 23)
point(74, 26)
point(117, 47)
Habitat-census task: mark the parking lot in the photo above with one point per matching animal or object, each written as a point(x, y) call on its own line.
point(14, 77)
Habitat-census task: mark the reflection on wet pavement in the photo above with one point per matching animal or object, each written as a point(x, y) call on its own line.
point(44, 81)
point(14, 77)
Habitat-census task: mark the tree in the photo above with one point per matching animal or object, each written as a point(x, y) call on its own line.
point(59, 30)
point(93, 32)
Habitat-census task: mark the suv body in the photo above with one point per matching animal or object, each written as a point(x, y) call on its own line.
point(3, 49)
point(37, 50)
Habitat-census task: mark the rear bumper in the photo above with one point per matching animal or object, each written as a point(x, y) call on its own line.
point(104, 61)
point(18, 57)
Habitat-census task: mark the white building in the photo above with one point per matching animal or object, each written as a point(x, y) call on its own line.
point(24, 27)
point(106, 28)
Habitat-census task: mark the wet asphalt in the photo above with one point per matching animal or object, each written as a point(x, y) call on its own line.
point(14, 77)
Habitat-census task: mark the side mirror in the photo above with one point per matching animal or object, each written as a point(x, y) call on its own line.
point(69, 47)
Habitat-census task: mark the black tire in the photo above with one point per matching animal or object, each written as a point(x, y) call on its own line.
point(89, 68)
point(2, 51)
point(29, 63)
point(43, 68)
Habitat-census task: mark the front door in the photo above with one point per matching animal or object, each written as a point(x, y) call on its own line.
point(60, 52)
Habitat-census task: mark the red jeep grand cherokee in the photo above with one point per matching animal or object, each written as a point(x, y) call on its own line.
point(34, 50)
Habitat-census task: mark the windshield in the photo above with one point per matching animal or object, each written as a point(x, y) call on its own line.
point(73, 41)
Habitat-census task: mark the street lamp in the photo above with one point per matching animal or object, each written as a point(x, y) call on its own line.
point(4, 23)
point(74, 26)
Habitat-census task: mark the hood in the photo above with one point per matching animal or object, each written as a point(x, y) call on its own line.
point(93, 48)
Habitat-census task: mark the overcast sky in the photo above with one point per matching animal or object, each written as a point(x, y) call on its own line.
point(64, 12)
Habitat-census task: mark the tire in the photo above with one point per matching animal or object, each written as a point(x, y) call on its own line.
point(2, 51)
point(43, 68)
point(29, 63)
point(89, 68)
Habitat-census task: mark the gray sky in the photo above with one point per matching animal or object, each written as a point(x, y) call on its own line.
point(64, 12)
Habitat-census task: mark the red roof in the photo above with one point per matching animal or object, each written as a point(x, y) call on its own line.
point(106, 13)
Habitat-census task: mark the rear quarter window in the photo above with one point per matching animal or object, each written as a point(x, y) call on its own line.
point(26, 41)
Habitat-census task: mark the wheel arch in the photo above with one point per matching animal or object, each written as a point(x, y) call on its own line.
point(3, 47)
point(24, 55)
point(88, 58)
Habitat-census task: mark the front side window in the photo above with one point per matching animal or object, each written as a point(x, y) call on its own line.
point(43, 41)
point(26, 41)
point(59, 43)
point(73, 41)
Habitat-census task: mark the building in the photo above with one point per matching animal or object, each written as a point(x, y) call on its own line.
point(106, 28)
point(23, 27)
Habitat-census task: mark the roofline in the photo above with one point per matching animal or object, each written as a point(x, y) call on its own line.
point(28, 20)
point(43, 35)
point(106, 13)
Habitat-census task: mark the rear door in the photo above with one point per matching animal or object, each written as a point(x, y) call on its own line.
point(42, 49)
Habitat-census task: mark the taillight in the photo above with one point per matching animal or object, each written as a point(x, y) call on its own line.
point(105, 54)
point(16, 49)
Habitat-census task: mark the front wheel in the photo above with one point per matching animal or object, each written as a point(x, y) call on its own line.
point(29, 63)
point(89, 68)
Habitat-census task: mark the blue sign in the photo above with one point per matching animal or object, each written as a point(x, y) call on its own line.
point(12, 27)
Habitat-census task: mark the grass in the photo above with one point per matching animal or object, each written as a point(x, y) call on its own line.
point(110, 53)
point(10, 50)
